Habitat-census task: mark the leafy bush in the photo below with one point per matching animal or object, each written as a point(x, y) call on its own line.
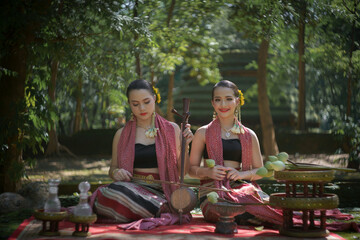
point(348, 132)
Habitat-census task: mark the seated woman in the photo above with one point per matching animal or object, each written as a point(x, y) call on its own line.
point(237, 155)
point(146, 148)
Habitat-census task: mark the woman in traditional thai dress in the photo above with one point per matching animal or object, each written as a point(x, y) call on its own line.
point(146, 148)
point(237, 155)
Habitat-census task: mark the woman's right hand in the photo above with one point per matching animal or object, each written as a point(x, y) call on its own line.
point(121, 175)
point(218, 172)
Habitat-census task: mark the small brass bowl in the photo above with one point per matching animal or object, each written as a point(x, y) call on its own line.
point(51, 229)
point(82, 224)
point(40, 214)
point(82, 219)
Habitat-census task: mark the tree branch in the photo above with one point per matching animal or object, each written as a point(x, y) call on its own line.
point(61, 39)
point(170, 12)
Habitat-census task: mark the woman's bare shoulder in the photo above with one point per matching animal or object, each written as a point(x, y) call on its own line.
point(118, 133)
point(175, 126)
point(201, 131)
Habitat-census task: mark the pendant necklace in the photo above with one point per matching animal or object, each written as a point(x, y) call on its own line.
point(227, 132)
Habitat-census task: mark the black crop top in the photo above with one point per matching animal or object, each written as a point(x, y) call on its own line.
point(231, 150)
point(145, 156)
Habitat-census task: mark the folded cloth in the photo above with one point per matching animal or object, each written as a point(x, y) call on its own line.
point(342, 226)
point(335, 214)
point(333, 226)
point(151, 223)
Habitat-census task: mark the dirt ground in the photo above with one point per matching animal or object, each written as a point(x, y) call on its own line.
point(95, 168)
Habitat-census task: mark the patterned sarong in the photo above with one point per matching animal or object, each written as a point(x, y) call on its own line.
point(208, 209)
point(130, 201)
point(239, 194)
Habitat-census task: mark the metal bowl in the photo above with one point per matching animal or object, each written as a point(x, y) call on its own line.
point(50, 216)
point(83, 219)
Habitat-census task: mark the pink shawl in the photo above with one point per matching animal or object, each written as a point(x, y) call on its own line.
point(165, 151)
point(165, 145)
point(215, 151)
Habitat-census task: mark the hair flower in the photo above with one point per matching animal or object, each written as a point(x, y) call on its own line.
point(241, 98)
point(157, 94)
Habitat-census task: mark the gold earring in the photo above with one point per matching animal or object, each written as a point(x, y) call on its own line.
point(132, 117)
point(214, 115)
point(239, 119)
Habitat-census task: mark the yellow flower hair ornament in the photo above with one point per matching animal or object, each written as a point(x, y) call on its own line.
point(238, 127)
point(241, 98)
point(157, 94)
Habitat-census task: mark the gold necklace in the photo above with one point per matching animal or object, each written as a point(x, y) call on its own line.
point(146, 128)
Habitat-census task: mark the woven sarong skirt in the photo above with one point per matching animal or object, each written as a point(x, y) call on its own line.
point(129, 201)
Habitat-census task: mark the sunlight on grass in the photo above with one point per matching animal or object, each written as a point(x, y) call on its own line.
point(71, 176)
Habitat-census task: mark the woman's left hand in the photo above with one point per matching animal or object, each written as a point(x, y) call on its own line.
point(188, 135)
point(234, 174)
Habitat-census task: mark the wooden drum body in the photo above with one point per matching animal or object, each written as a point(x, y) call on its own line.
point(183, 200)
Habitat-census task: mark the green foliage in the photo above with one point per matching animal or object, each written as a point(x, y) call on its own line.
point(348, 132)
point(96, 41)
point(69, 200)
point(33, 116)
point(257, 19)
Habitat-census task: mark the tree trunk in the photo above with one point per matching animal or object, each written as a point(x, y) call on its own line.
point(102, 110)
point(11, 97)
point(267, 126)
point(137, 51)
point(170, 12)
point(94, 113)
point(170, 105)
point(301, 124)
point(77, 124)
point(349, 83)
point(86, 119)
point(53, 145)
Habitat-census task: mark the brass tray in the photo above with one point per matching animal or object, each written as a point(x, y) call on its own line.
point(305, 176)
point(327, 201)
